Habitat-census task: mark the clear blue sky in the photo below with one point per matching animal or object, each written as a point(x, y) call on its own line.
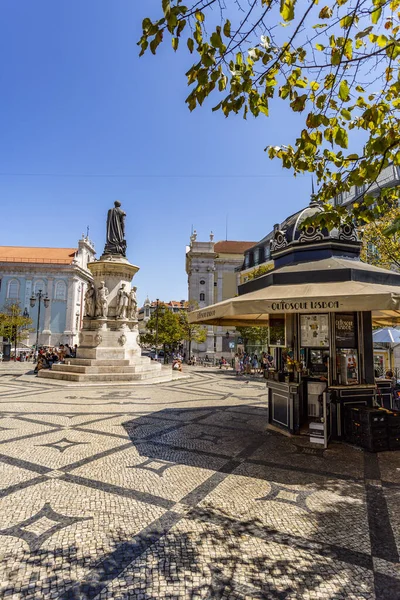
point(84, 121)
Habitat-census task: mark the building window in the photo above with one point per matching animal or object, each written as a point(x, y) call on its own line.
point(202, 282)
point(359, 190)
point(215, 283)
point(39, 285)
point(202, 297)
point(13, 289)
point(60, 291)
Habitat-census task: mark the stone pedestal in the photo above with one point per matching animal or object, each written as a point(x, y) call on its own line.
point(108, 346)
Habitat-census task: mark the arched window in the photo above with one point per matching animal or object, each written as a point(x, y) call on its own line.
point(60, 291)
point(40, 285)
point(202, 297)
point(13, 288)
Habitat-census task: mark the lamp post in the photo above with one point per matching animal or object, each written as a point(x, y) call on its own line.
point(230, 349)
point(46, 301)
point(157, 328)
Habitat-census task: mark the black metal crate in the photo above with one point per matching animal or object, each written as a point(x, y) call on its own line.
point(375, 445)
point(394, 442)
point(374, 417)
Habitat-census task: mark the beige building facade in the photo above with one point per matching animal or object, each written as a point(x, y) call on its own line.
point(211, 268)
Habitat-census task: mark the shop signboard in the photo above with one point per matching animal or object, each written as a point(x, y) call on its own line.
point(345, 331)
point(314, 331)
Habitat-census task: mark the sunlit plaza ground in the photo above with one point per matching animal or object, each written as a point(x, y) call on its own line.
point(178, 491)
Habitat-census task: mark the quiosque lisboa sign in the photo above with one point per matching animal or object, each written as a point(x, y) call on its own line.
point(306, 305)
point(285, 306)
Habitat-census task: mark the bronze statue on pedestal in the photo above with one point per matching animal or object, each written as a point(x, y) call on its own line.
point(116, 243)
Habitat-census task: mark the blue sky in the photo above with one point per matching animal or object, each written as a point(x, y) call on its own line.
point(85, 121)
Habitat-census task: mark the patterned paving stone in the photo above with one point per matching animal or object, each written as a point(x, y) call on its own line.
point(178, 491)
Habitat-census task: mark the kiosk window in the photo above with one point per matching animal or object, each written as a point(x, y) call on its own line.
point(277, 331)
point(314, 331)
point(347, 366)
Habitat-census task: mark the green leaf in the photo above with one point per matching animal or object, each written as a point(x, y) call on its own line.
point(320, 47)
point(375, 15)
point(175, 43)
point(199, 16)
point(216, 40)
point(190, 45)
point(146, 24)
point(287, 9)
point(325, 12)
point(299, 103)
point(181, 27)
point(341, 137)
point(363, 33)
point(346, 22)
point(156, 42)
point(227, 29)
point(222, 83)
point(344, 92)
point(336, 56)
point(166, 6)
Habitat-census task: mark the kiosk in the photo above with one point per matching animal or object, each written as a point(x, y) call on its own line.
point(320, 303)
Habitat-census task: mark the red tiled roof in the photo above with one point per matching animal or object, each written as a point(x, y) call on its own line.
point(171, 303)
point(232, 247)
point(26, 254)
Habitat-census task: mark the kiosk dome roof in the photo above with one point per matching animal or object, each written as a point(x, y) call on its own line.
point(293, 224)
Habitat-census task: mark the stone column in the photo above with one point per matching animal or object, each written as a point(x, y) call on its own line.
point(76, 309)
point(46, 333)
point(70, 316)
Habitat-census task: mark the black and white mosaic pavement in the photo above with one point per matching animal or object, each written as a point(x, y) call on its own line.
point(177, 491)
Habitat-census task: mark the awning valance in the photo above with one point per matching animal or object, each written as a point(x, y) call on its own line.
point(255, 308)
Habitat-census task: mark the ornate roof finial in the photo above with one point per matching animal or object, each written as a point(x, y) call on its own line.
point(313, 201)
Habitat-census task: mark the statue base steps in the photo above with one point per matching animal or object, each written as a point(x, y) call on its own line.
point(108, 371)
point(131, 378)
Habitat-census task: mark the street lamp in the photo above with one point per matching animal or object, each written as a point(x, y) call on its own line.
point(228, 335)
point(46, 301)
point(157, 329)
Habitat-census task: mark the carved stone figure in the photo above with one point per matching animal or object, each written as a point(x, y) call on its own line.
point(90, 301)
point(116, 243)
point(102, 301)
point(132, 305)
point(122, 302)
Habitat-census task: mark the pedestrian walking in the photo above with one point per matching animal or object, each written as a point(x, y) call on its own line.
point(237, 365)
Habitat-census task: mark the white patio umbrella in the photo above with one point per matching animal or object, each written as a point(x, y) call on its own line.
point(386, 335)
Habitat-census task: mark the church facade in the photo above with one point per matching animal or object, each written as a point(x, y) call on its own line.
point(211, 268)
point(62, 274)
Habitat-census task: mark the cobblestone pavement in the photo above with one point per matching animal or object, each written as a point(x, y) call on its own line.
point(177, 491)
